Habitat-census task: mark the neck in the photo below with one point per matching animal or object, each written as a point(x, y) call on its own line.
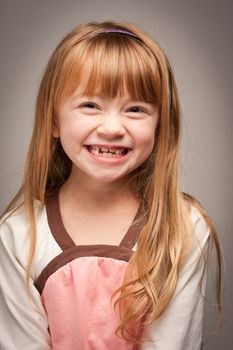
point(96, 193)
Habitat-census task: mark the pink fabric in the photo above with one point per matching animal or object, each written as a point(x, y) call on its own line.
point(77, 301)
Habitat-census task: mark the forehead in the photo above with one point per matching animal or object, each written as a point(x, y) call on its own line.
point(83, 89)
point(111, 66)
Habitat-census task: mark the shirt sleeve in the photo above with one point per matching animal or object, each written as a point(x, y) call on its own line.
point(180, 326)
point(23, 320)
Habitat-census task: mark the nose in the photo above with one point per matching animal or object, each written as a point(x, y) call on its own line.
point(111, 127)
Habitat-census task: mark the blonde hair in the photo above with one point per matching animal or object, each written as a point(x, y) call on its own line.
point(112, 62)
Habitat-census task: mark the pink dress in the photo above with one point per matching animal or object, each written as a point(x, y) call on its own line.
point(76, 288)
point(70, 289)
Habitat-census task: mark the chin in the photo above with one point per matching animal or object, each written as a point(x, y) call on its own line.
point(108, 178)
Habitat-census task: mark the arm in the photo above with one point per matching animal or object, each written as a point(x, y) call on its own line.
point(180, 326)
point(23, 320)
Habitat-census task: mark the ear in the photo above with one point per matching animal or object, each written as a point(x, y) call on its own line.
point(55, 127)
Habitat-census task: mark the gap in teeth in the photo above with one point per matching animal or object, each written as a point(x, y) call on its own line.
point(106, 151)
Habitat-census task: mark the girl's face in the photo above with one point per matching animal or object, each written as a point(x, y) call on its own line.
point(106, 139)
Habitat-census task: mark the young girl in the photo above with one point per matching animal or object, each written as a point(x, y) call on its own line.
point(99, 248)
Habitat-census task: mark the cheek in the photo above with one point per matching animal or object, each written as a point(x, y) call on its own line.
point(70, 139)
point(146, 137)
point(145, 141)
point(72, 130)
point(147, 147)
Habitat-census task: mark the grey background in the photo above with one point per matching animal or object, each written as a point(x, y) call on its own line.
point(197, 36)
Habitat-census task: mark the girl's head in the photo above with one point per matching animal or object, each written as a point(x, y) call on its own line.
point(113, 59)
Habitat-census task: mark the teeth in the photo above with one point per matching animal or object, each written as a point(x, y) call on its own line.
point(105, 152)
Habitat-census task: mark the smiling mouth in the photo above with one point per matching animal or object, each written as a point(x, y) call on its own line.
point(115, 152)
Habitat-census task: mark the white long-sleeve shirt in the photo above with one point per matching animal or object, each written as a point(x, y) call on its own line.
point(70, 289)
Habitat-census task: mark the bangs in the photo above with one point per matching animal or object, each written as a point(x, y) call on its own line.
point(110, 64)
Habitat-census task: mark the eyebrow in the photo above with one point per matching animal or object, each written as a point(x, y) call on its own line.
point(102, 97)
point(78, 96)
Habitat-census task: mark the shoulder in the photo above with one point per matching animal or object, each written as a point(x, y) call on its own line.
point(202, 224)
point(15, 239)
point(200, 228)
point(15, 232)
point(15, 224)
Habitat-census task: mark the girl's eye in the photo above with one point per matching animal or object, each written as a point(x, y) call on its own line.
point(136, 109)
point(90, 105)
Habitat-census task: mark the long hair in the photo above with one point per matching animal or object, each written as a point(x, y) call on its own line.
point(111, 62)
